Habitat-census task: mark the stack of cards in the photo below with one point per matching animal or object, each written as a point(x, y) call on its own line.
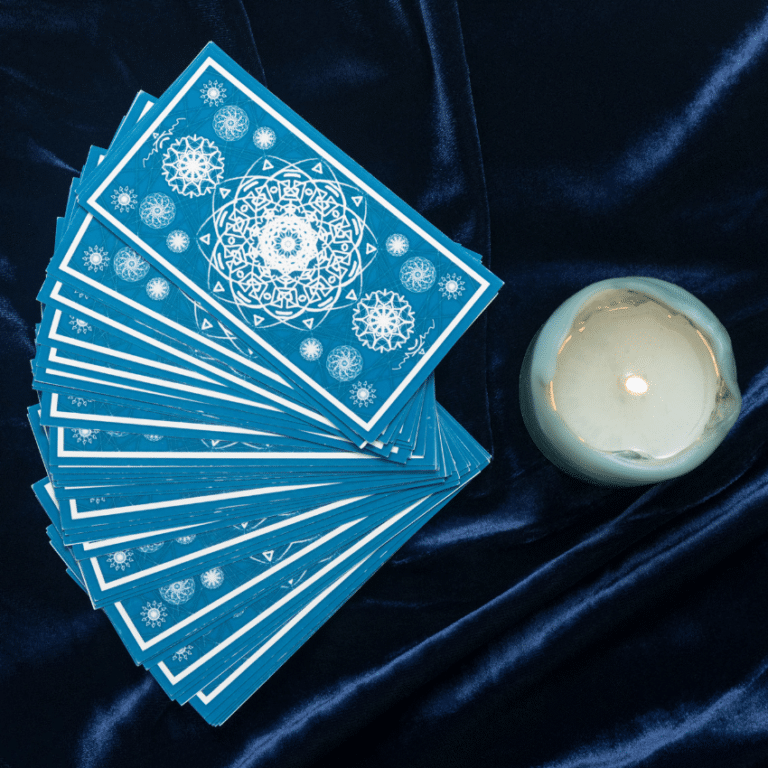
point(237, 413)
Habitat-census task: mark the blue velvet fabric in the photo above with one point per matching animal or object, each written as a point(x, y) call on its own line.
point(536, 621)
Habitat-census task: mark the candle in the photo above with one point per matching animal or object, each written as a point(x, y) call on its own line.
point(630, 381)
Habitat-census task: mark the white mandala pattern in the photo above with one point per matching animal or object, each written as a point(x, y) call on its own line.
point(383, 320)
point(183, 653)
point(397, 245)
point(213, 93)
point(178, 592)
point(149, 548)
point(129, 266)
point(264, 138)
point(79, 402)
point(187, 539)
point(344, 363)
point(362, 394)
point(193, 166)
point(120, 560)
point(157, 288)
point(212, 579)
point(418, 274)
point(177, 241)
point(79, 325)
point(124, 199)
point(288, 244)
point(311, 350)
point(154, 613)
point(95, 258)
point(85, 436)
point(153, 438)
point(231, 123)
point(157, 210)
point(451, 286)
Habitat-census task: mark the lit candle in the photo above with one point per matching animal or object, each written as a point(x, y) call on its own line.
point(630, 381)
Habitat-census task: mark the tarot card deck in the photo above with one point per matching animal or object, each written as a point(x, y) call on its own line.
point(234, 364)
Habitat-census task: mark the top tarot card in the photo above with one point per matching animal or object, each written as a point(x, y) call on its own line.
point(351, 293)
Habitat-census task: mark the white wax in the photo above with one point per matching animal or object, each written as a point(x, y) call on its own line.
point(634, 375)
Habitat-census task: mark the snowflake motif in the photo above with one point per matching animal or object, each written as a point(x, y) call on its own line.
point(397, 245)
point(177, 241)
point(231, 123)
point(451, 286)
point(85, 436)
point(97, 500)
point(147, 548)
point(79, 325)
point(193, 166)
point(362, 394)
point(178, 592)
point(153, 614)
point(129, 266)
point(95, 258)
point(157, 289)
point(213, 93)
point(264, 138)
point(124, 199)
point(187, 539)
point(344, 363)
point(212, 579)
point(418, 274)
point(311, 350)
point(120, 560)
point(182, 654)
point(383, 321)
point(79, 402)
point(153, 438)
point(157, 210)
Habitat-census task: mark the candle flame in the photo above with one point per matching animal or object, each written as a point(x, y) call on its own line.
point(637, 385)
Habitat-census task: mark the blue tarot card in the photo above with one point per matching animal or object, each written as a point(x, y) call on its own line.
point(305, 256)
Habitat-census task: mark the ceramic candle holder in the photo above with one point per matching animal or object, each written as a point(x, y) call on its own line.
point(631, 381)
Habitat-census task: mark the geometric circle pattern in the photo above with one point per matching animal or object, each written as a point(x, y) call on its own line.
point(344, 363)
point(129, 266)
point(418, 274)
point(230, 123)
point(157, 210)
point(193, 166)
point(383, 320)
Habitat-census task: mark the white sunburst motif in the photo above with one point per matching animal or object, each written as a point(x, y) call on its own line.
point(79, 325)
point(397, 245)
point(95, 258)
point(213, 93)
point(362, 394)
point(187, 539)
point(85, 436)
point(418, 274)
point(451, 286)
point(157, 210)
point(193, 166)
point(178, 592)
point(231, 123)
point(264, 138)
point(129, 266)
point(183, 653)
point(212, 579)
point(344, 363)
point(311, 350)
point(149, 548)
point(177, 241)
point(157, 289)
point(120, 560)
point(153, 438)
point(124, 199)
point(383, 320)
point(154, 613)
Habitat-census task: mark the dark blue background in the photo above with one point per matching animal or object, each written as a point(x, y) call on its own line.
point(537, 621)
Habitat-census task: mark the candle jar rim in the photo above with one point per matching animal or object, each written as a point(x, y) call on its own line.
point(623, 468)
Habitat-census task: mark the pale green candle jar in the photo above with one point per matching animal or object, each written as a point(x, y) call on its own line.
point(631, 381)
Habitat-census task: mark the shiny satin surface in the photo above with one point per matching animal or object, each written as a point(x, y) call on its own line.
point(536, 622)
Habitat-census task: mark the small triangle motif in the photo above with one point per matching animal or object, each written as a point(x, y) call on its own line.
point(318, 168)
point(357, 200)
point(206, 239)
point(267, 165)
point(206, 324)
point(352, 296)
point(224, 192)
point(269, 555)
point(218, 288)
point(370, 248)
point(258, 320)
point(309, 322)
point(214, 443)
